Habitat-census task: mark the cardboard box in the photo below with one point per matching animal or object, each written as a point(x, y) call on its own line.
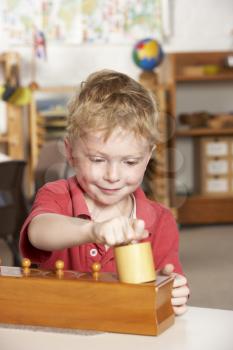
point(216, 185)
point(216, 146)
point(217, 166)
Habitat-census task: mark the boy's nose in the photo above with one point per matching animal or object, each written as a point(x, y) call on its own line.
point(112, 173)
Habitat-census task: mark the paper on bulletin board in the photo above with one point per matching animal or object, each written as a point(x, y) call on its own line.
point(81, 21)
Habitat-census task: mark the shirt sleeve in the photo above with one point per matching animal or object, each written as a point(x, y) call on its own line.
point(48, 200)
point(165, 244)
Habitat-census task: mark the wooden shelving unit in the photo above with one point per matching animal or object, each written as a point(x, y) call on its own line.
point(198, 68)
point(11, 142)
point(156, 182)
point(37, 129)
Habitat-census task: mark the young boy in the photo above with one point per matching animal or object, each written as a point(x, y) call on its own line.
point(111, 135)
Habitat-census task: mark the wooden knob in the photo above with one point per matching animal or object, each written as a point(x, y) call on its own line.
point(96, 267)
point(26, 263)
point(59, 265)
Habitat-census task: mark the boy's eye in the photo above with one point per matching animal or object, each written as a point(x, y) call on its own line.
point(131, 162)
point(96, 160)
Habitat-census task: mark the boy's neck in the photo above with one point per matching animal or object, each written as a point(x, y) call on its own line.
point(101, 213)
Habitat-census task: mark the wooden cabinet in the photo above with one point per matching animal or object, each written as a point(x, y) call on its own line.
point(189, 75)
point(11, 140)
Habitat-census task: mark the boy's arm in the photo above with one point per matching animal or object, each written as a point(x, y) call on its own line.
point(51, 231)
point(50, 224)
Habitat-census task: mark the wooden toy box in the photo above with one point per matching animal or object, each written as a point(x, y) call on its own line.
point(88, 301)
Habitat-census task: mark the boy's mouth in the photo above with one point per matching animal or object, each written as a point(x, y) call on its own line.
point(109, 190)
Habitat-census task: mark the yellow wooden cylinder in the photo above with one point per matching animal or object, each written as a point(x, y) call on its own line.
point(135, 263)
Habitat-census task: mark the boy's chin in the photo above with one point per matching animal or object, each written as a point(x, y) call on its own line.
point(106, 200)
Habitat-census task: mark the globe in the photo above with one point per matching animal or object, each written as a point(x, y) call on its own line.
point(147, 54)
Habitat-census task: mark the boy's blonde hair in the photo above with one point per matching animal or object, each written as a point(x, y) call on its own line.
point(108, 99)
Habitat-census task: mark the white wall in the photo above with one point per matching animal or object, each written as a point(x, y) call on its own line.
point(197, 25)
point(202, 25)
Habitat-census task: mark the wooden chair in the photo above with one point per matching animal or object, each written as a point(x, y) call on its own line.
point(13, 206)
point(52, 164)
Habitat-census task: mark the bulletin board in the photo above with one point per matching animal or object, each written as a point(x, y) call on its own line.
point(80, 21)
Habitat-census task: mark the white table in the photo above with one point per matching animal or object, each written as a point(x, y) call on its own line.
point(199, 328)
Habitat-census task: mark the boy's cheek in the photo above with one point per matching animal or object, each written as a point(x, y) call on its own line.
point(135, 176)
point(90, 174)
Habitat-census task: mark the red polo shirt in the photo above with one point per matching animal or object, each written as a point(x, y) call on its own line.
point(67, 198)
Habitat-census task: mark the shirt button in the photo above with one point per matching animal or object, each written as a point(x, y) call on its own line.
point(93, 252)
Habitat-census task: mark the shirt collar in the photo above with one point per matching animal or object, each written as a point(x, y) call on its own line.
point(77, 194)
point(145, 209)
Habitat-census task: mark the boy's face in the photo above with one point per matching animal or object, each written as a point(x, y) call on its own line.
point(109, 170)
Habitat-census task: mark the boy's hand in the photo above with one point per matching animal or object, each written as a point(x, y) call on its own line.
point(119, 230)
point(180, 291)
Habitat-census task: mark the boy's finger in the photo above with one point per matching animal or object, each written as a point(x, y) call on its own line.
point(179, 281)
point(168, 269)
point(179, 301)
point(180, 292)
point(145, 234)
point(138, 226)
point(180, 310)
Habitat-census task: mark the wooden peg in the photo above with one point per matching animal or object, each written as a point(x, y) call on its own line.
point(0, 261)
point(26, 263)
point(96, 267)
point(59, 266)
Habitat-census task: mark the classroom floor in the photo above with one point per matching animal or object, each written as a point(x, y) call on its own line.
point(206, 253)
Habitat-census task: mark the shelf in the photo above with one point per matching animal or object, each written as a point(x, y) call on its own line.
point(204, 132)
point(199, 62)
point(198, 210)
point(204, 78)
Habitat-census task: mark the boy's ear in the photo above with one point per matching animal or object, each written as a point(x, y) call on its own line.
point(69, 152)
point(152, 150)
point(151, 153)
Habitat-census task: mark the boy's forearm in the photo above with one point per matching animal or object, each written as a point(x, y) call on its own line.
point(54, 232)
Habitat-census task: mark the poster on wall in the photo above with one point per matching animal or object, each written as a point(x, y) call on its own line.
point(80, 21)
point(120, 21)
